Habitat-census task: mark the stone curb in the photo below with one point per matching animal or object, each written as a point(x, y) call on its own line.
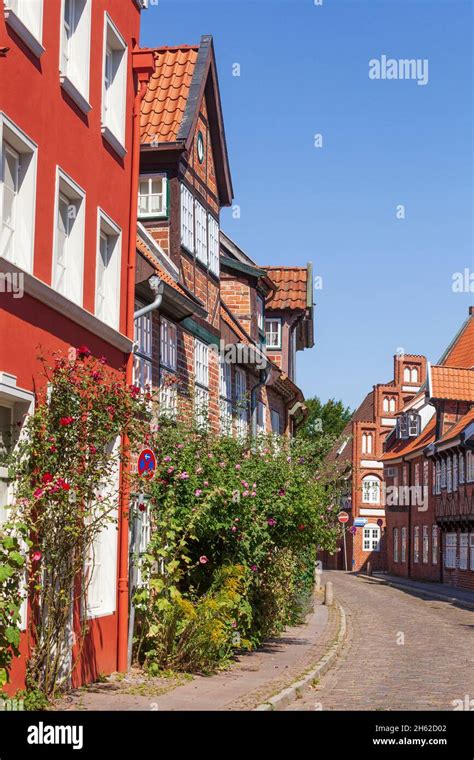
point(288, 695)
point(423, 592)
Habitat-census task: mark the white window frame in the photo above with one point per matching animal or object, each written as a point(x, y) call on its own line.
point(200, 217)
point(201, 380)
point(149, 195)
point(367, 442)
point(275, 421)
point(103, 559)
point(142, 358)
point(395, 544)
point(371, 489)
point(74, 56)
point(403, 544)
point(270, 332)
point(168, 395)
point(213, 246)
point(463, 551)
point(225, 396)
point(21, 403)
point(450, 553)
point(76, 196)
point(25, 17)
point(114, 87)
point(416, 544)
point(434, 544)
point(187, 218)
point(13, 138)
point(168, 344)
point(107, 301)
point(371, 538)
point(469, 473)
point(425, 545)
point(260, 417)
point(260, 314)
point(449, 474)
point(241, 403)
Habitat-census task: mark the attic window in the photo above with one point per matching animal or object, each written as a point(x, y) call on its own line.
point(152, 196)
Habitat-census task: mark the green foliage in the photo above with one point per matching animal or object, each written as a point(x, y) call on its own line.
point(324, 422)
point(217, 504)
point(33, 699)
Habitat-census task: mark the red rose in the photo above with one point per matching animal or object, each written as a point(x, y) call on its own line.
point(142, 507)
point(47, 477)
point(66, 421)
point(301, 527)
point(83, 352)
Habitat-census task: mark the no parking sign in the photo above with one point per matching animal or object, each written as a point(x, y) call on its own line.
point(147, 463)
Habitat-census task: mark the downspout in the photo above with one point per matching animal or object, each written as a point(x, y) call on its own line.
point(122, 600)
point(156, 284)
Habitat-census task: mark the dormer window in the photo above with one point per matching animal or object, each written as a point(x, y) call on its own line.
point(408, 425)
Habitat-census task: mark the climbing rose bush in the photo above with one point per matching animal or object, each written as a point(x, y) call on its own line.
point(65, 469)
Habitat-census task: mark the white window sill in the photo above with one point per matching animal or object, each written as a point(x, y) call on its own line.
point(153, 216)
point(113, 141)
point(75, 95)
point(24, 33)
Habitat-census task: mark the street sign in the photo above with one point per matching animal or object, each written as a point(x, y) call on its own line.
point(380, 522)
point(343, 517)
point(147, 463)
point(359, 522)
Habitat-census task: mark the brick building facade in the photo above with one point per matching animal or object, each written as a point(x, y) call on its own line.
point(200, 300)
point(430, 533)
point(358, 460)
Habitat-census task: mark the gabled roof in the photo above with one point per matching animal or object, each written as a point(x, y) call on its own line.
point(170, 108)
point(460, 352)
point(455, 383)
point(364, 413)
point(294, 288)
point(408, 446)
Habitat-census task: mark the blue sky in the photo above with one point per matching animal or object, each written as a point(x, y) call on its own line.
point(387, 282)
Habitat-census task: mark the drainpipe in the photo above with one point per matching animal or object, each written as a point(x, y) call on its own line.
point(122, 601)
point(156, 285)
point(253, 399)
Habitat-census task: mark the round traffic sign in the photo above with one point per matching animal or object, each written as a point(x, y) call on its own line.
point(147, 463)
point(380, 522)
point(343, 517)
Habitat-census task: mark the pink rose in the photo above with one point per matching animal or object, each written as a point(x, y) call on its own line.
point(203, 560)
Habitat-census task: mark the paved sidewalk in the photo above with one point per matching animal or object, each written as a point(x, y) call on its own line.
point(444, 591)
point(255, 677)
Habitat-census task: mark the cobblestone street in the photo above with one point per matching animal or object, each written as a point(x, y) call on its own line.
point(402, 652)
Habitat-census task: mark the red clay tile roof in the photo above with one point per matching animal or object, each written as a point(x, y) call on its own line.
point(458, 427)
point(461, 351)
point(408, 446)
point(452, 383)
point(163, 274)
point(163, 106)
point(292, 283)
